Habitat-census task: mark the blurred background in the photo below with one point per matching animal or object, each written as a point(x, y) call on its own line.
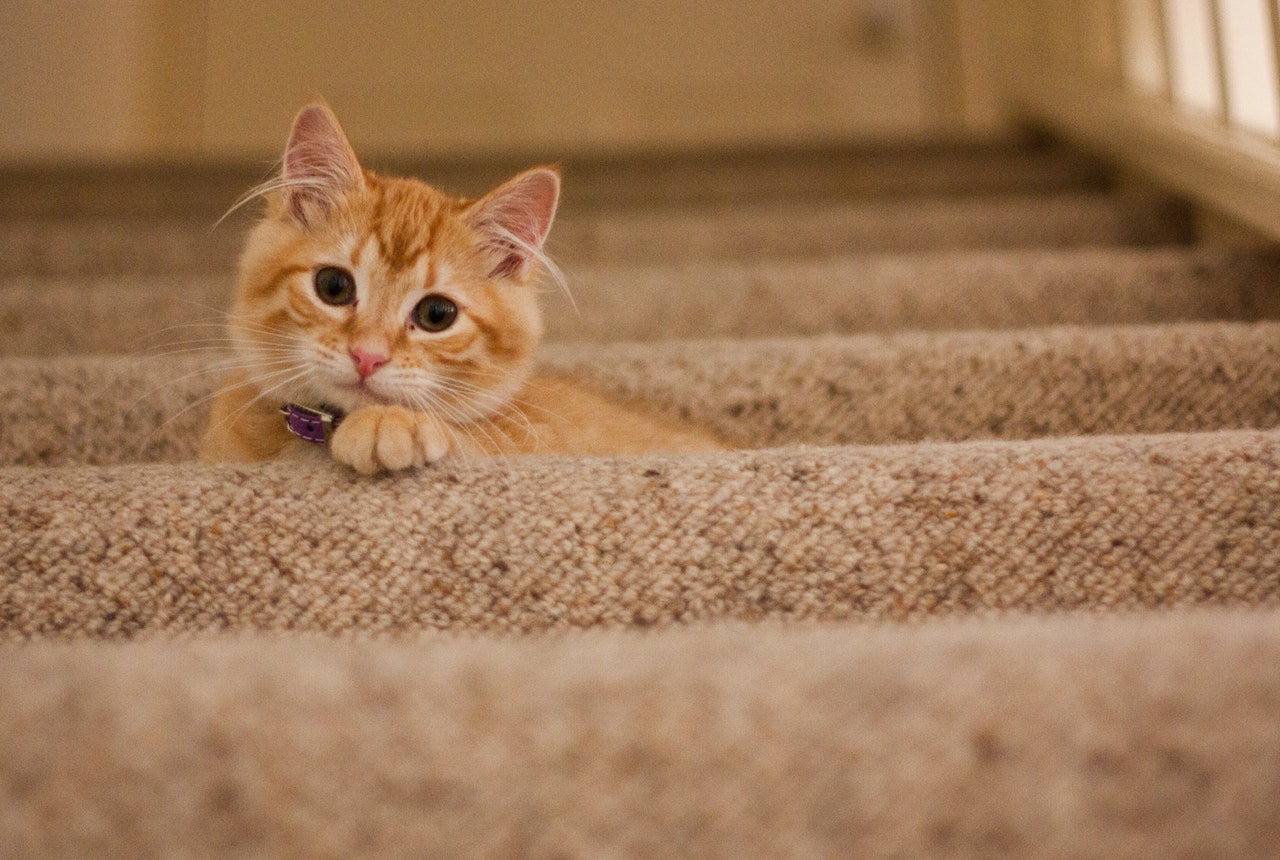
point(176, 80)
point(1184, 94)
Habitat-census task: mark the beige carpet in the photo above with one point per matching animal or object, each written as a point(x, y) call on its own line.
point(922, 169)
point(144, 314)
point(100, 246)
point(995, 573)
point(1135, 736)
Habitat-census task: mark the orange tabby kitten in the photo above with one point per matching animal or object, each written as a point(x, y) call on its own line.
point(398, 325)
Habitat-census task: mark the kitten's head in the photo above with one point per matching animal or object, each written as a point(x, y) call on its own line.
point(356, 289)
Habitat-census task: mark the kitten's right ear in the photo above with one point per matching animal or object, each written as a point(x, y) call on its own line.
point(319, 164)
point(513, 221)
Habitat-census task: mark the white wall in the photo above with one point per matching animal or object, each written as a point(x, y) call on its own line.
point(72, 78)
point(111, 79)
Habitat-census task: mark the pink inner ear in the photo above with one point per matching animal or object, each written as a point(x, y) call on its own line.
point(533, 205)
point(517, 217)
point(318, 160)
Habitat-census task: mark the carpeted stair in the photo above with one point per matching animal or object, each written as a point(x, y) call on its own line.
point(995, 571)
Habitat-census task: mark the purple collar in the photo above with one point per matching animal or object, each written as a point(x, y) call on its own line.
point(312, 425)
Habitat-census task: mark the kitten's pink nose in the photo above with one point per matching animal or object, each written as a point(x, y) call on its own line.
point(367, 362)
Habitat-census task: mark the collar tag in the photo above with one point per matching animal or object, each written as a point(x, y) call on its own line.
point(311, 425)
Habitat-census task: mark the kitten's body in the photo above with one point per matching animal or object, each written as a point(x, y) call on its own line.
point(412, 312)
point(557, 417)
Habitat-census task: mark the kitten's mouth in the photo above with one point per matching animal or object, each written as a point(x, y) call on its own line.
point(364, 389)
point(343, 392)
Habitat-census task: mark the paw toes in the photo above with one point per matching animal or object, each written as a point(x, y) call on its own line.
point(395, 449)
point(391, 438)
point(433, 441)
point(356, 454)
point(353, 444)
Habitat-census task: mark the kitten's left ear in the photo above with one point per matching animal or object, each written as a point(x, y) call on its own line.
point(513, 221)
point(319, 164)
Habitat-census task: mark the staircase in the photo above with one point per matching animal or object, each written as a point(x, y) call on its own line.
point(995, 573)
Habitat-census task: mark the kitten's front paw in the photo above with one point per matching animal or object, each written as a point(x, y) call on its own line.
point(374, 438)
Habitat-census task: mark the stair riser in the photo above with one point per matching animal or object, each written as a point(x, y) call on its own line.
point(97, 247)
point(638, 303)
point(206, 192)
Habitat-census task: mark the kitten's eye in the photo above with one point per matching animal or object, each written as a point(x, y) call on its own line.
point(335, 286)
point(434, 313)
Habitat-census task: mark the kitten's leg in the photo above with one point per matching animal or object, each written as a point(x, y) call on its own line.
point(374, 438)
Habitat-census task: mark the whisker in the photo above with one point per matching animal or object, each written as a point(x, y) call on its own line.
point(205, 346)
point(510, 408)
point(523, 404)
point(424, 404)
point(475, 425)
point(304, 372)
point(263, 339)
point(215, 368)
point(277, 181)
point(460, 421)
point(219, 391)
point(504, 240)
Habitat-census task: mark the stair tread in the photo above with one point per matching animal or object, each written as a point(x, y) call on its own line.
point(855, 389)
point(975, 385)
point(942, 735)
point(837, 533)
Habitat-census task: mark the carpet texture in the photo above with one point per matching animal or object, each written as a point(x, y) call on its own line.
point(994, 572)
point(101, 246)
point(923, 169)
point(1130, 737)
point(537, 543)
point(857, 389)
point(959, 290)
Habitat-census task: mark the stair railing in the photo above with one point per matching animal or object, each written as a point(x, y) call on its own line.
point(1184, 91)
